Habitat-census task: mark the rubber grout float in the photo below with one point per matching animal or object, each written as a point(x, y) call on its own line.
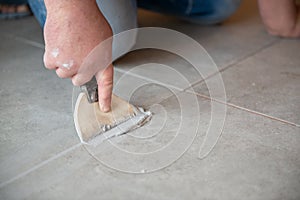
point(94, 126)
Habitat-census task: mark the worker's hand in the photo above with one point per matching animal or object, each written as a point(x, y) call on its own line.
point(72, 30)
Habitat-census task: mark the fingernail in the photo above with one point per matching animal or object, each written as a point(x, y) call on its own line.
point(104, 108)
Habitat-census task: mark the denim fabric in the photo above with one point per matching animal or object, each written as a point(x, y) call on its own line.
point(13, 2)
point(39, 10)
point(211, 11)
point(196, 11)
point(121, 14)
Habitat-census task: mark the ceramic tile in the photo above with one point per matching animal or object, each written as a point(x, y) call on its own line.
point(268, 82)
point(36, 112)
point(161, 67)
point(235, 39)
point(36, 107)
point(256, 158)
point(26, 28)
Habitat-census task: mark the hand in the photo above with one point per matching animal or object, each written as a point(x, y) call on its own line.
point(72, 29)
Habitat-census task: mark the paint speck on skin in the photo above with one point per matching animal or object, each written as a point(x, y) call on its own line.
point(55, 52)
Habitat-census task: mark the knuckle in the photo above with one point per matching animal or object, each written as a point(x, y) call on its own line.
point(62, 74)
point(106, 83)
point(76, 82)
point(106, 98)
point(47, 62)
point(68, 67)
point(80, 80)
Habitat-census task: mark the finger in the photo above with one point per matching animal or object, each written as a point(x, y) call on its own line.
point(93, 64)
point(49, 62)
point(105, 86)
point(82, 77)
point(61, 73)
point(66, 69)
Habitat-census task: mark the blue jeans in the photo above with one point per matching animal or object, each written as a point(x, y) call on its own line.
point(122, 14)
point(39, 10)
point(13, 2)
point(196, 11)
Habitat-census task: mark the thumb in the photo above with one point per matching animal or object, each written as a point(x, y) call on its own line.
point(105, 86)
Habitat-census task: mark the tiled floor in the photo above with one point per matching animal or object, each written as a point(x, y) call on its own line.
point(256, 157)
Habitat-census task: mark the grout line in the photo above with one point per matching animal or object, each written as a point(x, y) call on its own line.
point(26, 41)
point(30, 42)
point(233, 105)
point(229, 65)
point(264, 115)
point(60, 154)
point(180, 90)
point(245, 109)
point(149, 79)
point(38, 45)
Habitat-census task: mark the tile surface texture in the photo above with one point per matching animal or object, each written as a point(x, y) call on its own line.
point(237, 38)
point(269, 86)
point(256, 157)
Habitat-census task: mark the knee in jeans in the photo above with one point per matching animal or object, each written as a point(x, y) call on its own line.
point(218, 11)
point(226, 8)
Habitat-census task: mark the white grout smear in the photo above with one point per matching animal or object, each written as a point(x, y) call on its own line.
point(68, 65)
point(55, 52)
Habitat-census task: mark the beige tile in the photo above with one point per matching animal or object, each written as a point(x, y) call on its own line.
point(26, 29)
point(268, 82)
point(36, 107)
point(238, 37)
point(36, 112)
point(161, 67)
point(256, 158)
point(139, 91)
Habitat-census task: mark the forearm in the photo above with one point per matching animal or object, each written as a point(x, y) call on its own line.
point(281, 17)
